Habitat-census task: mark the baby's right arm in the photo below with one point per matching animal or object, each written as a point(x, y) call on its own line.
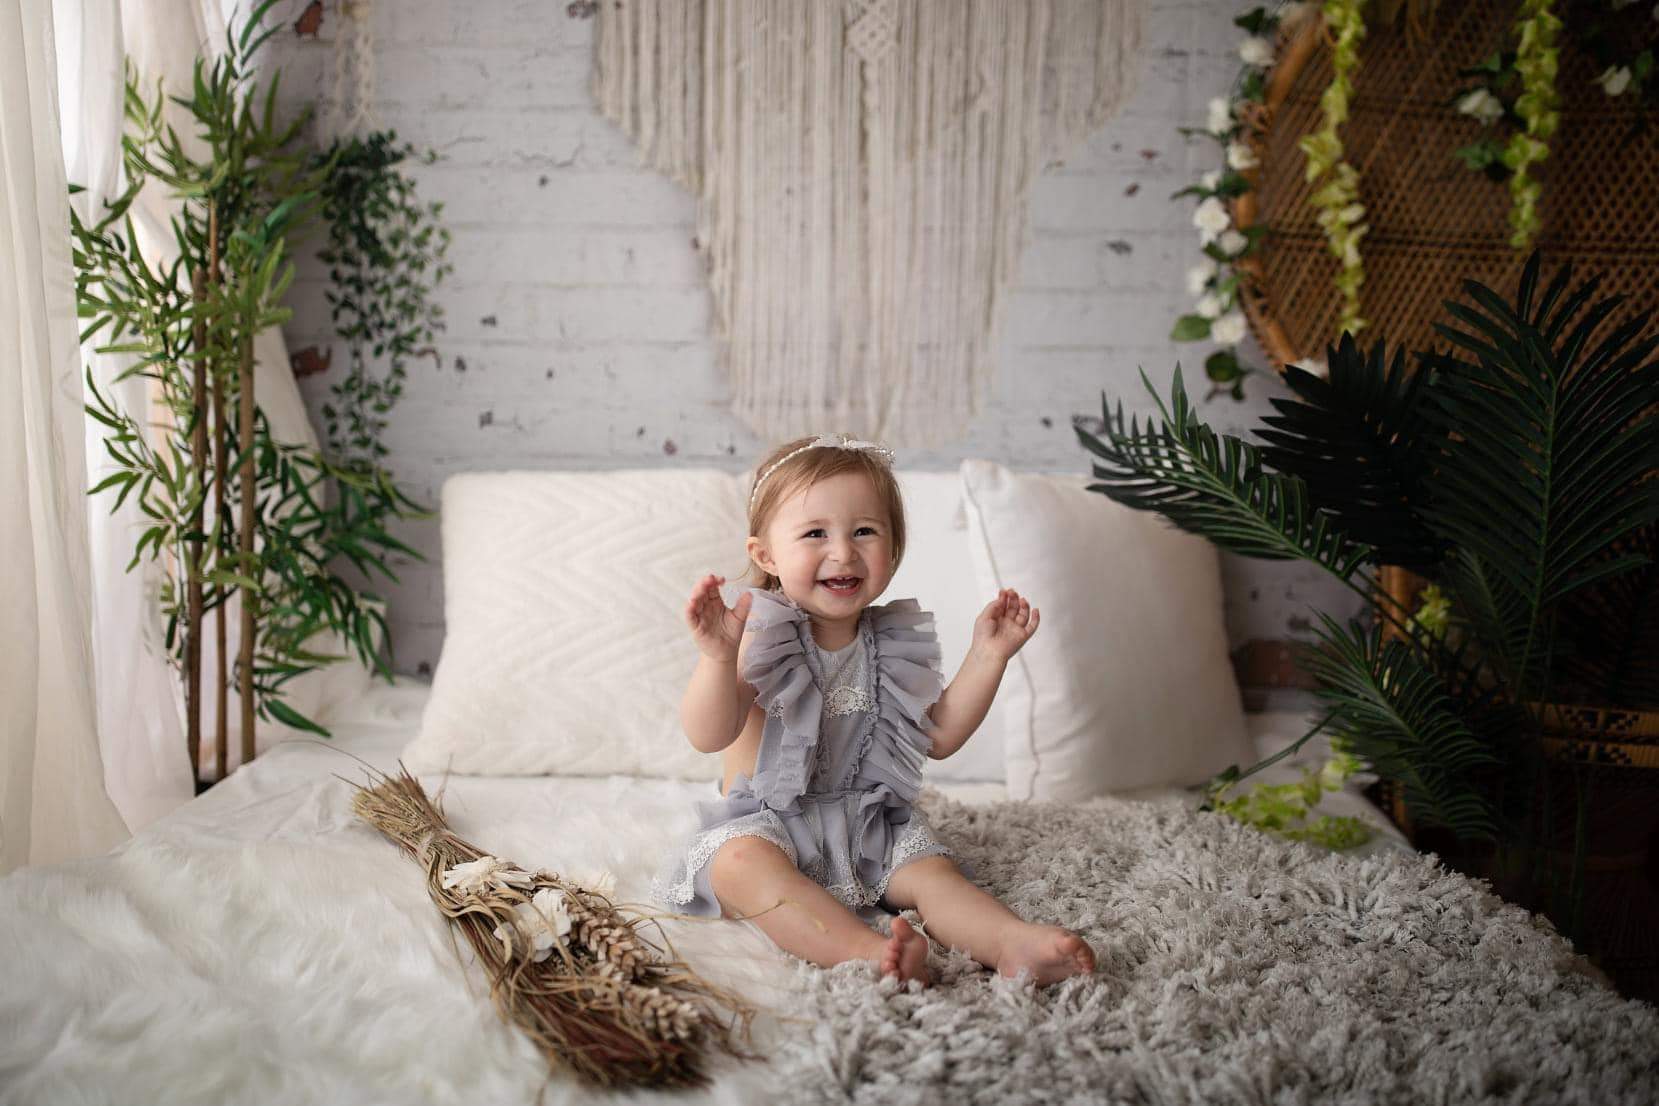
point(717, 700)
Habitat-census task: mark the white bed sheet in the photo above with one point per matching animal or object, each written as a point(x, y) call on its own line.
point(260, 944)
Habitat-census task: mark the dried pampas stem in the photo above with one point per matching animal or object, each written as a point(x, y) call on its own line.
point(603, 1001)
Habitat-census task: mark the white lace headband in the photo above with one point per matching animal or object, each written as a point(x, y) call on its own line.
point(827, 441)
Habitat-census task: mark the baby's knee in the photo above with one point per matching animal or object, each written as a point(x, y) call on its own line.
point(742, 857)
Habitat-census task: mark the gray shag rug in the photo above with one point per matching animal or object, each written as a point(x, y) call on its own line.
point(1232, 967)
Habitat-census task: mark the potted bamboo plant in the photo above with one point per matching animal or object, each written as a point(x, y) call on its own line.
point(1513, 474)
point(232, 513)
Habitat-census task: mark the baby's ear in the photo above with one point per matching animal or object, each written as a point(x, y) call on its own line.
point(759, 555)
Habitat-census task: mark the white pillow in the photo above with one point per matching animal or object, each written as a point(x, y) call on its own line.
point(1127, 682)
point(564, 648)
point(938, 572)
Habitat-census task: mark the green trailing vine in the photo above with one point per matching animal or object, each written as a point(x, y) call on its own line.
point(386, 253)
point(1217, 282)
point(1337, 198)
point(1283, 809)
point(1536, 60)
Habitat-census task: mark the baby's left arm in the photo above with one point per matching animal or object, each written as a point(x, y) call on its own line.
point(1001, 628)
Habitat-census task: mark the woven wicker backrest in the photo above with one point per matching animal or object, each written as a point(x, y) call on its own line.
point(1434, 222)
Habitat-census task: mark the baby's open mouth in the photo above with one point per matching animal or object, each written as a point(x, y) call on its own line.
point(844, 585)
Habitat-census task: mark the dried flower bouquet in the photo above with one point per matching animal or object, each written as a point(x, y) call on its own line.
point(564, 964)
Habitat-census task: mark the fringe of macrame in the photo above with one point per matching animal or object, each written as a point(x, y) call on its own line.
point(862, 170)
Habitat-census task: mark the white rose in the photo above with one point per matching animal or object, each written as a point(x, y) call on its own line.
point(1481, 104)
point(1211, 180)
point(1209, 305)
point(1615, 81)
point(1256, 51)
point(1198, 277)
point(1241, 156)
point(1229, 329)
point(1221, 116)
point(1232, 242)
point(1211, 219)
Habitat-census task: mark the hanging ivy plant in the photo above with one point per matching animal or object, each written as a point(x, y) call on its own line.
point(386, 254)
point(1513, 94)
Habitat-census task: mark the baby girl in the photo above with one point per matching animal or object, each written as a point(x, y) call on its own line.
point(826, 707)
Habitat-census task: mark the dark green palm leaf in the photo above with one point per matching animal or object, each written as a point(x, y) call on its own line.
point(1609, 651)
point(1362, 444)
point(1215, 486)
point(1549, 434)
point(1395, 711)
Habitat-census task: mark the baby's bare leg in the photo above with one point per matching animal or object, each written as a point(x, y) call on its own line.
point(961, 915)
point(750, 874)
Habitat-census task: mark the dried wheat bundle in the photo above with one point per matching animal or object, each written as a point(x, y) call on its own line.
point(564, 964)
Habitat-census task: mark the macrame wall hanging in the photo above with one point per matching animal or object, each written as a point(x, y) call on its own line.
point(862, 170)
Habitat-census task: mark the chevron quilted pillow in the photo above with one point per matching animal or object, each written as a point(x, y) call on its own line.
point(564, 651)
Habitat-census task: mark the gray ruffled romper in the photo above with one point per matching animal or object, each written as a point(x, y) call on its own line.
point(838, 767)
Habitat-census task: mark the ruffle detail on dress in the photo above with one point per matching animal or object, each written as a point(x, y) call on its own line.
point(908, 682)
point(775, 665)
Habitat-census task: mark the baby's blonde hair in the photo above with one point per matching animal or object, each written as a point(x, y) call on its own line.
point(807, 468)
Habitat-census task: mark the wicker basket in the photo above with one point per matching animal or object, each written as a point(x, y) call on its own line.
point(1432, 221)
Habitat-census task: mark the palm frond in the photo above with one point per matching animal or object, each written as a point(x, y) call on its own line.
point(1362, 444)
point(1609, 634)
point(1215, 486)
point(1395, 711)
point(1548, 437)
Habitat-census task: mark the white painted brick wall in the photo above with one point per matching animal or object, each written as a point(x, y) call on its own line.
point(579, 320)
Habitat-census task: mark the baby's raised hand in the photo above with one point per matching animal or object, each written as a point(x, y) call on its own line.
point(716, 628)
point(1006, 623)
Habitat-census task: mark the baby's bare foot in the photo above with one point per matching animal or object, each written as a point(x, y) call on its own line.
point(906, 954)
point(1048, 953)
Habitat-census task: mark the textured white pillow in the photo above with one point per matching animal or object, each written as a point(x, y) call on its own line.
point(1127, 683)
point(938, 572)
point(564, 647)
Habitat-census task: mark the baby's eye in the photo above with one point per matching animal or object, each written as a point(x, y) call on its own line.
point(866, 529)
point(815, 532)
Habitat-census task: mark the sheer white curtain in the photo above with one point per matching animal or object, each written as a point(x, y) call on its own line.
point(92, 714)
point(53, 805)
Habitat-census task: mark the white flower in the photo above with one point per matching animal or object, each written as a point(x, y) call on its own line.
point(1211, 219)
point(1199, 276)
point(1232, 242)
point(1211, 180)
point(601, 881)
point(486, 873)
point(1256, 51)
point(1221, 116)
point(1241, 156)
point(538, 923)
point(1615, 80)
point(1209, 305)
point(1229, 329)
point(1481, 104)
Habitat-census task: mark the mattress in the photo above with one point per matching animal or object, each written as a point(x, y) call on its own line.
point(261, 944)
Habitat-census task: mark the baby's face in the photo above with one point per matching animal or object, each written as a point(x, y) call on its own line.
point(831, 546)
